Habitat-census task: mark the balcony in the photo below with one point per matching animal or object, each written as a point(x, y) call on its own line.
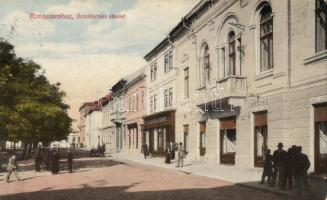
point(231, 90)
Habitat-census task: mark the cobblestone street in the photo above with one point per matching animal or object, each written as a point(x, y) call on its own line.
point(119, 180)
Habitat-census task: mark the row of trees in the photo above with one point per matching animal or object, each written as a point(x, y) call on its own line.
point(31, 108)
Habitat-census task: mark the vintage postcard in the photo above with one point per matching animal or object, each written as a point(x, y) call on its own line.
point(163, 99)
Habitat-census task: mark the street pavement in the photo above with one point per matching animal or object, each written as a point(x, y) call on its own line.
point(110, 179)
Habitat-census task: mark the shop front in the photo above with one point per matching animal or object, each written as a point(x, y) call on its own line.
point(158, 130)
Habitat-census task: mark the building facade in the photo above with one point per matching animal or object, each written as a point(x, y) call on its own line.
point(159, 123)
point(135, 94)
point(93, 125)
point(248, 76)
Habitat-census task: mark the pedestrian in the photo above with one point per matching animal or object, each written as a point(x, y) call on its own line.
point(55, 162)
point(103, 150)
point(181, 155)
point(70, 161)
point(267, 167)
point(290, 165)
point(12, 167)
point(279, 159)
point(145, 150)
point(37, 160)
point(168, 154)
point(173, 149)
point(302, 165)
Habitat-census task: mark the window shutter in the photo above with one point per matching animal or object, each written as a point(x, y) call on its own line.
point(260, 119)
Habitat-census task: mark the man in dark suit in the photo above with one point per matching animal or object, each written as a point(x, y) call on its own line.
point(279, 159)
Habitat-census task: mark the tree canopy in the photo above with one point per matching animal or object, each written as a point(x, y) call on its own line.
point(31, 108)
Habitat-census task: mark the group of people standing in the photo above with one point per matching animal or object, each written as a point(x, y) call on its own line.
point(290, 166)
point(50, 158)
point(170, 152)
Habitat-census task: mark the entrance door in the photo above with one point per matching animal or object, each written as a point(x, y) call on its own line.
point(321, 138)
point(260, 137)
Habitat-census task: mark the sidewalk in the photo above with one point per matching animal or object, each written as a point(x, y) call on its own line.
point(249, 178)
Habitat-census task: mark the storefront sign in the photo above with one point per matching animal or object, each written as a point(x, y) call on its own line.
point(259, 102)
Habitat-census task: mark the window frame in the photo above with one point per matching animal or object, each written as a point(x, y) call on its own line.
point(267, 36)
point(231, 53)
point(319, 8)
point(186, 82)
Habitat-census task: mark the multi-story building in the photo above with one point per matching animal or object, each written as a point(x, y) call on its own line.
point(134, 110)
point(93, 125)
point(249, 74)
point(159, 124)
point(116, 108)
point(83, 110)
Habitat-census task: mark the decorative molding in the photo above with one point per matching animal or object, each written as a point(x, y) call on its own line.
point(320, 56)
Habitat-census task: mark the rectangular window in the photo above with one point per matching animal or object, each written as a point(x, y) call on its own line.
point(186, 82)
point(170, 60)
point(202, 138)
point(321, 25)
point(222, 56)
point(166, 99)
point(155, 102)
point(185, 127)
point(170, 100)
point(232, 60)
point(166, 63)
point(320, 118)
point(260, 137)
point(153, 71)
point(227, 140)
point(207, 67)
point(266, 42)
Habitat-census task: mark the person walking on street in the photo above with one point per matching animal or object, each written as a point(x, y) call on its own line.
point(290, 164)
point(70, 161)
point(145, 150)
point(173, 149)
point(37, 160)
point(12, 167)
point(168, 154)
point(302, 165)
point(267, 167)
point(181, 155)
point(279, 159)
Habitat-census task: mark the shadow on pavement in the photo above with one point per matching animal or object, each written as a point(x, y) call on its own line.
point(87, 192)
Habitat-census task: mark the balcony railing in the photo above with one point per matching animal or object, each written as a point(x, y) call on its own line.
point(232, 86)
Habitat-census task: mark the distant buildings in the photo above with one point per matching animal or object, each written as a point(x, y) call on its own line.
point(232, 79)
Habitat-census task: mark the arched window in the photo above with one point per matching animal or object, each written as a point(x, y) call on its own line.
point(232, 54)
point(266, 39)
point(204, 75)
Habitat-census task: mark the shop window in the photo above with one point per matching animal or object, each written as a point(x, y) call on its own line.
point(320, 118)
point(227, 140)
point(260, 137)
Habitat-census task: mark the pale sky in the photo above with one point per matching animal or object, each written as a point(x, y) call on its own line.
point(88, 56)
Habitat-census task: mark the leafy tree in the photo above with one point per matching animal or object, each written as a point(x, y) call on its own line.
point(31, 108)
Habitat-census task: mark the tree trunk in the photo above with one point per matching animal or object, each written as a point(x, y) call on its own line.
point(24, 150)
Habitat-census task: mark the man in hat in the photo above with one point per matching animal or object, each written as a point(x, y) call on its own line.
point(302, 165)
point(279, 159)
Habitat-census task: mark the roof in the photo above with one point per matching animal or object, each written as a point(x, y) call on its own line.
point(180, 27)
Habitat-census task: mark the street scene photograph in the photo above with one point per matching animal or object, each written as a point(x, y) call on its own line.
point(163, 99)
